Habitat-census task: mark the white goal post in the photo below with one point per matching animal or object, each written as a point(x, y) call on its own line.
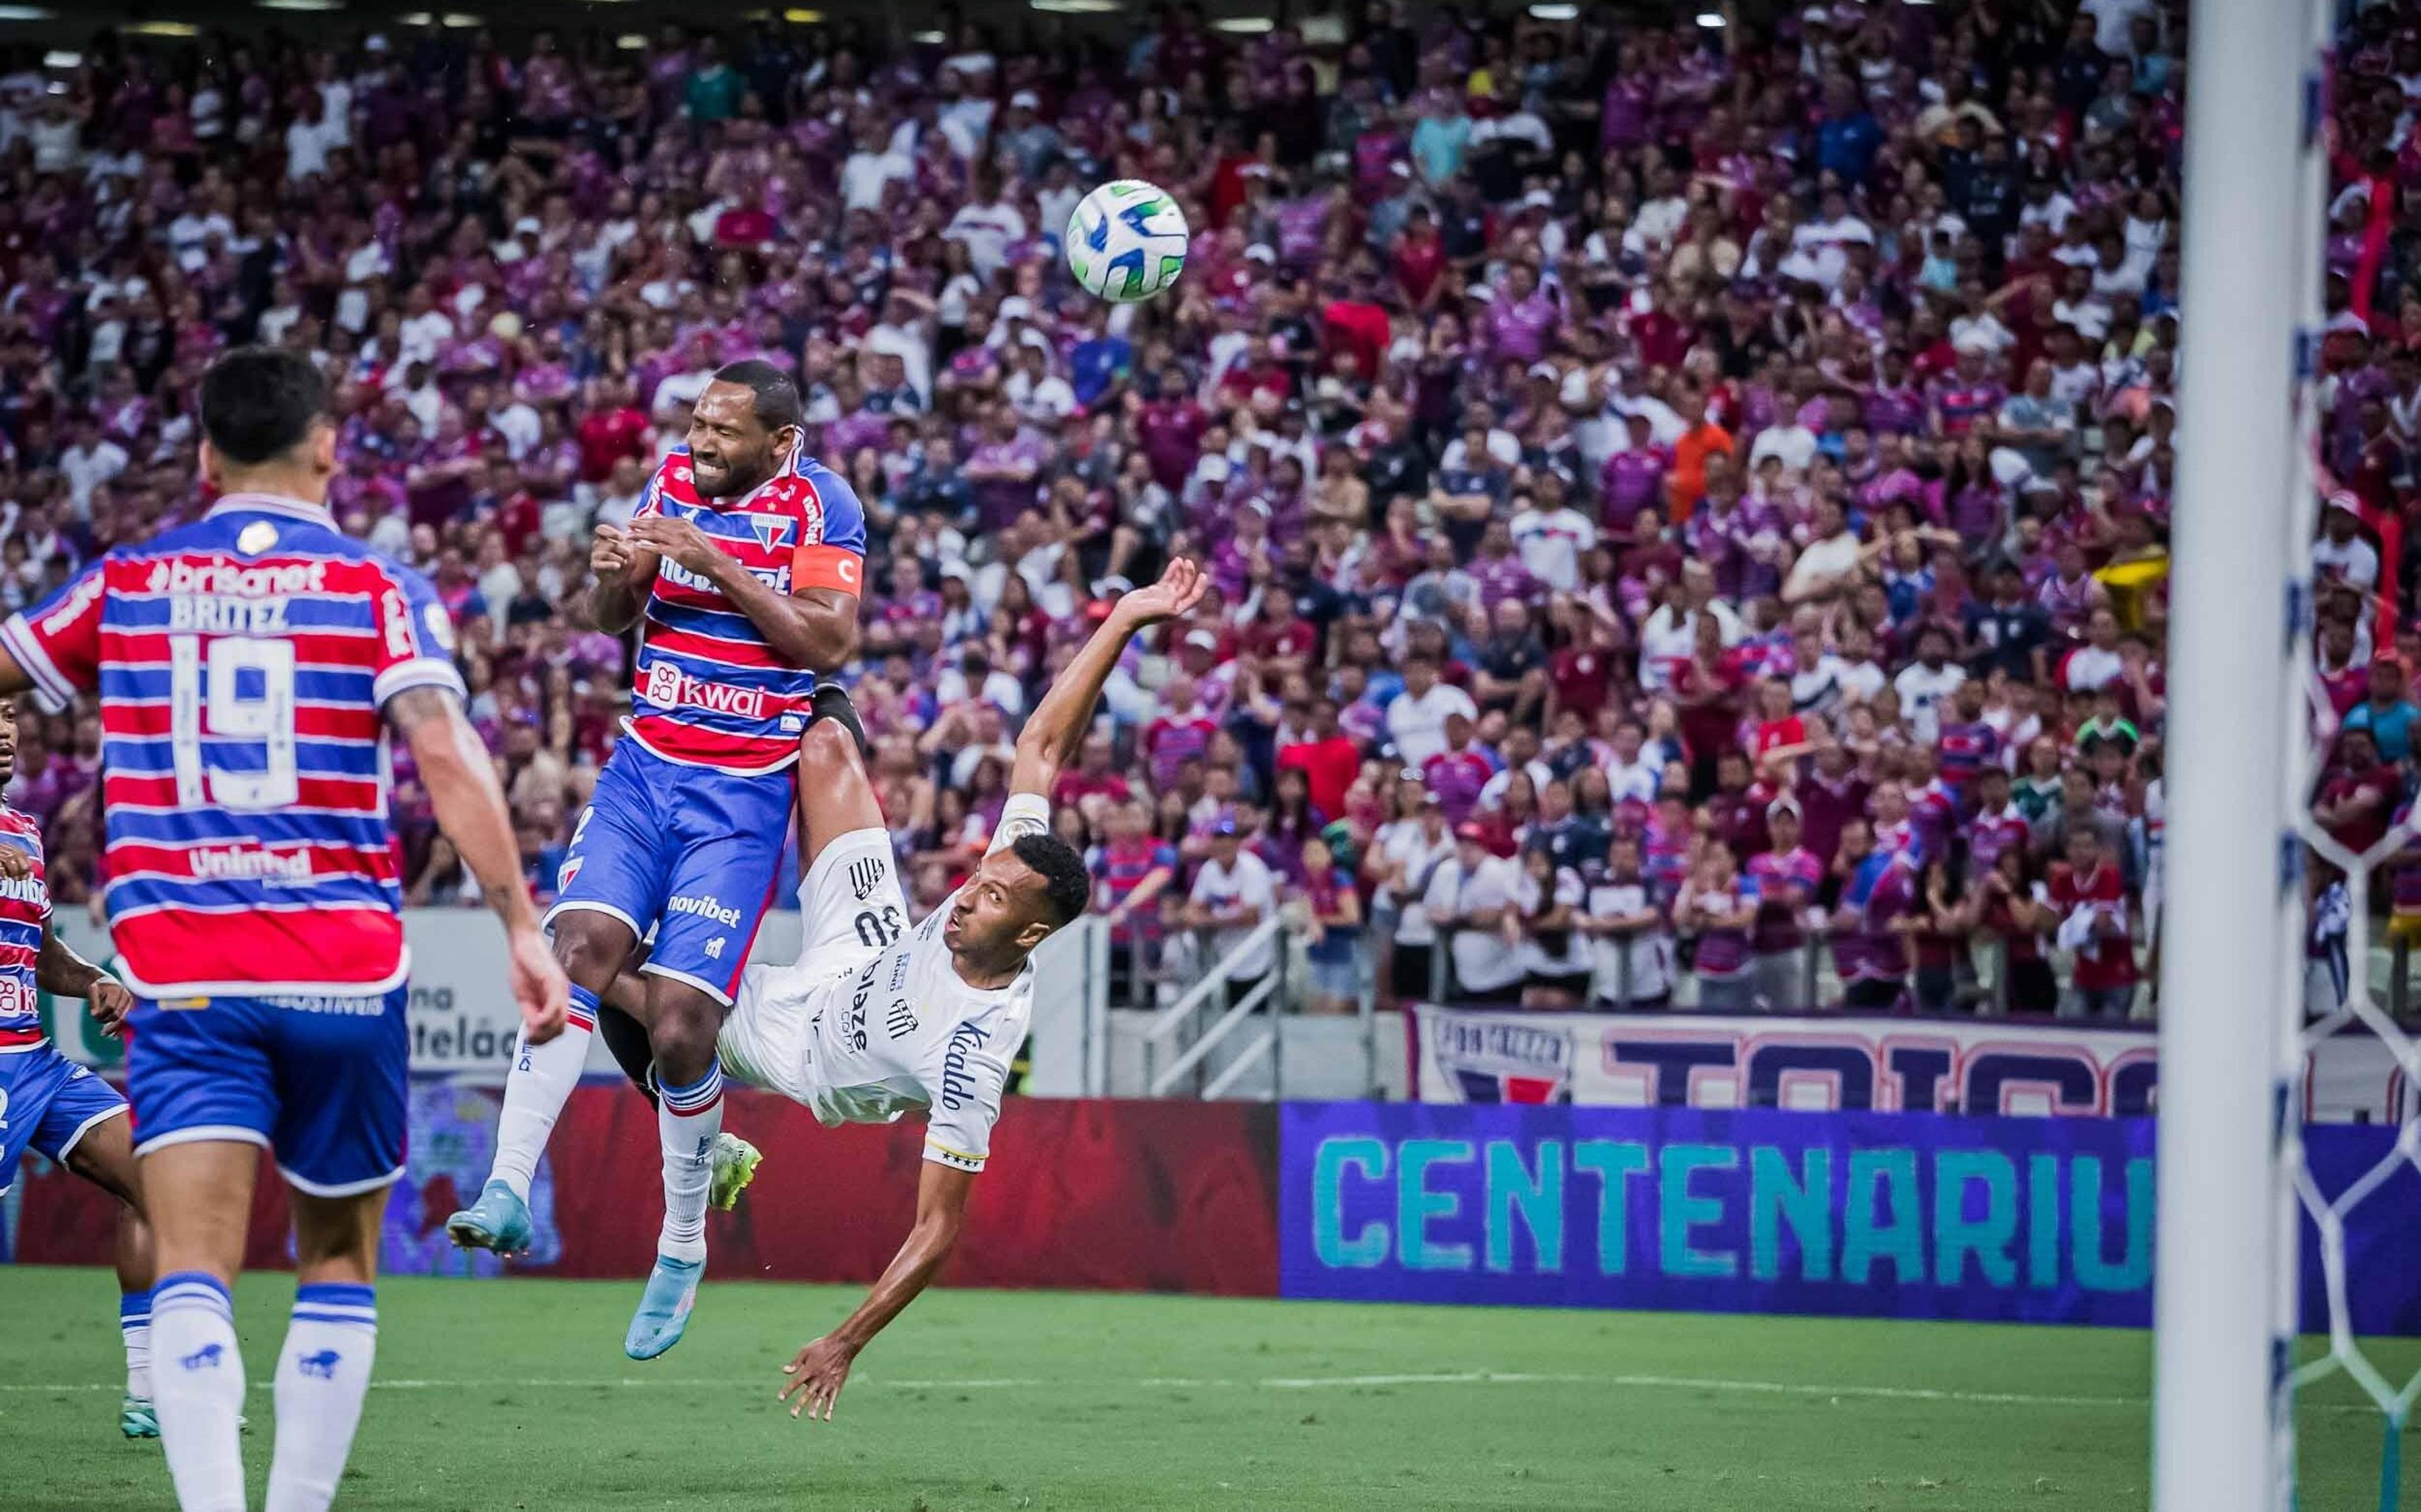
point(2232, 952)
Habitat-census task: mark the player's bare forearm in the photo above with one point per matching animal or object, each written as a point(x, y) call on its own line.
point(911, 1270)
point(616, 601)
point(470, 803)
point(1051, 736)
point(817, 1371)
point(13, 679)
point(59, 970)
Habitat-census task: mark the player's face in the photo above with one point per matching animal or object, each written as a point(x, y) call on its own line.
point(7, 738)
point(730, 451)
point(998, 917)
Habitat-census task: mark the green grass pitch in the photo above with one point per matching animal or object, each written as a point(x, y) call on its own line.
point(499, 1396)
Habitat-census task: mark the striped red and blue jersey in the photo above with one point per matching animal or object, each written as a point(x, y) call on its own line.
point(24, 913)
point(710, 690)
point(243, 662)
point(1962, 748)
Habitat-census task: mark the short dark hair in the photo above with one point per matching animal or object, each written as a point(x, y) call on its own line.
point(777, 397)
point(258, 402)
point(1067, 886)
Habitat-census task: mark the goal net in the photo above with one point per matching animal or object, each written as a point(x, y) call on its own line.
point(2270, 918)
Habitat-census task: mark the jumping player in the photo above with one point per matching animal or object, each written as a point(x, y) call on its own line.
point(877, 1019)
point(50, 1103)
point(243, 664)
point(746, 557)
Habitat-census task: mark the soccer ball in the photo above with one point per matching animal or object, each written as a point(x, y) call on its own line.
point(1126, 242)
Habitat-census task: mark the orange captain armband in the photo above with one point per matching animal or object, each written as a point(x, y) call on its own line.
point(828, 567)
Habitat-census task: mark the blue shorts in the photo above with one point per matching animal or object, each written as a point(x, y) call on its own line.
point(46, 1102)
point(317, 1080)
point(695, 853)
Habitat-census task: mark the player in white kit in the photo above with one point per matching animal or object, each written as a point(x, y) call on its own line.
point(876, 1020)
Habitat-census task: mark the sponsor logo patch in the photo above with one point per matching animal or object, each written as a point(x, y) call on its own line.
point(705, 908)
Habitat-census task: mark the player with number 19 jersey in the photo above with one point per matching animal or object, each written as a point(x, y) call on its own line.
point(243, 664)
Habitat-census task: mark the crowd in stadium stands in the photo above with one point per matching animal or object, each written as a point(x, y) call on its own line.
point(1687, 505)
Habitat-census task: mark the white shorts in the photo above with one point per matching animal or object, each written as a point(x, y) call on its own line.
point(851, 910)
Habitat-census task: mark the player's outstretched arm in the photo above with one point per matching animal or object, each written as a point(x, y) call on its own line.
point(817, 1372)
point(470, 803)
point(1051, 736)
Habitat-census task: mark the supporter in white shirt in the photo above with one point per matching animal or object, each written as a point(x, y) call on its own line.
point(1409, 852)
point(190, 234)
point(1632, 776)
point(1792, 442)
point(309, 142)
point(58, 136)
point(1552, 541)
point(988, 228)
point(519, 425)
point(1926, 684)
point(2341, 553)
point(1035, 392)
point(869, 171)
point(1233, 893)
point(1416, 717)
point(425, 331)
point(2113, 20)
point(2096, 664)
point(1660, 219)
point(1467, 898)
point(90, 462)
point(1664, 423)
point(416, 385)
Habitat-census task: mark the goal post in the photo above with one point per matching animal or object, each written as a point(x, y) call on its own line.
point(2222, 1434)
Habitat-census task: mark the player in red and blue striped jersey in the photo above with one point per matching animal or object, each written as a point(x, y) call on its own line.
point(50, 1103)
point(244, 664)
point(743, 564)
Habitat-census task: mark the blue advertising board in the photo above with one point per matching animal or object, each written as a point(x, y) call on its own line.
point(1869, 1214)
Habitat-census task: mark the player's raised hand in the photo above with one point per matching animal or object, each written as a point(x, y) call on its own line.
point(538, 985)
point(15, 864)
point(109, 1002)
point(680, 539)
point(609, 552)
point(817, 1373)
point(1179, 589)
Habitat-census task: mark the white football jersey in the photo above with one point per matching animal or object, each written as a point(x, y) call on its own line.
point(904, 1031)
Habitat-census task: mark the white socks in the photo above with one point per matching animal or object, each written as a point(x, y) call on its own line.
point(322, 1373)
point(535, 1090)
point(688, 1118)
point(134, 1325)
point(198, 1389)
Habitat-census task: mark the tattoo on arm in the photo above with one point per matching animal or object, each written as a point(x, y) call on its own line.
point(414, 707)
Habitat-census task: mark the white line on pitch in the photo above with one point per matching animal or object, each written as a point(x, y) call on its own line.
point(1465, 1378)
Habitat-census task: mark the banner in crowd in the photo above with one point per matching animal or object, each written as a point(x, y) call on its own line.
point(1758, 1211)
point(1088, 1194)
point(1842, 1064)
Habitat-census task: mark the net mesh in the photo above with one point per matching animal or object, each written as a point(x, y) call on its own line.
point(2333, 895)
point(2338, 892)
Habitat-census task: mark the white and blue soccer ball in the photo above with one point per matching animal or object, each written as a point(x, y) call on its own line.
point(1127, 240)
